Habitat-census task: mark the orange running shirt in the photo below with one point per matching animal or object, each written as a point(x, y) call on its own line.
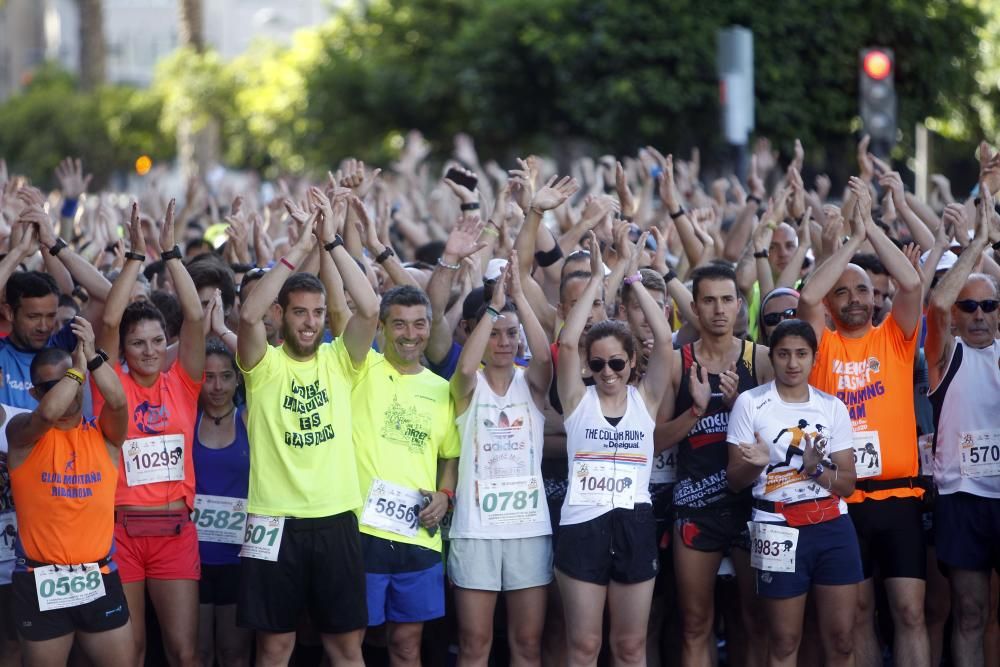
point(64, 496)
point(873, 376)
point(168, 407)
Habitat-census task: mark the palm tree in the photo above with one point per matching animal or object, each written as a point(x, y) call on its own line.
point(196, 150)
point(92, 52)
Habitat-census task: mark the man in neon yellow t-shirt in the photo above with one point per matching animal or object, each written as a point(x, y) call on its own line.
point(404, 425)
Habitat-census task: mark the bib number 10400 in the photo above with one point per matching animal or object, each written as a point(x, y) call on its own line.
point(603, 483)
point(262, 537)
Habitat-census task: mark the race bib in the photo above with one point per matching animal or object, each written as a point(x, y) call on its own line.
point(8, 531)
point(604, 483)
point(262, 537)
point(867, 454)
point(59, 586)
point(445, 525)
point(772, 547)
point(925, 446)
point(511, 501)
point(159, 458)
point(220, 519)
point(393, 508)
point(664, 467)
point(980, 452)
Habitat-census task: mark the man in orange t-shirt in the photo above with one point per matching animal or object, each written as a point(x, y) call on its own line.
point(871, 370)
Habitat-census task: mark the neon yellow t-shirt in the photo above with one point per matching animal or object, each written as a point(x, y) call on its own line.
point(299, 424)
point(402, 425)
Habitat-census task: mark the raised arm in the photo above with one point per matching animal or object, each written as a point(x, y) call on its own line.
point(790, 274)
point(907, 304)
point(191, 348)
point(360, 329)
point(571, 387)
point(464, 380)
point(121, 290)
point(656, 382)
point(918, 230)
point(462, 242)
point(114, 415)
point(539, 371)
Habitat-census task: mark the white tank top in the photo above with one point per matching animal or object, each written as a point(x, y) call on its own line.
point(609, 466)
point(967, 422)
point(500, 493)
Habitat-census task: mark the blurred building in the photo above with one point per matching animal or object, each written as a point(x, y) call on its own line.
point(138, 33)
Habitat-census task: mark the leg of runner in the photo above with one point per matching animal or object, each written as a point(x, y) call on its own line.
point(274, 649)
point(654, 631)
point(554, 636)
point(344, 648)
point(232, 643)
point(754, 624)
point(906, 601)
point(206, 633)
point(810, 648)
point(135, 594)
point(867, 652)
point(628, 606)
point(971, 591)
point(474, 610)
point(49, 653)
point(836, 606)
point(991, 642)
point(176, 604)
point(937, 606)
point(525, 619)
point(784, 629)
point(112, 648)
point(695, 572)
point(10, 650)
point(583, 609)
point(404, 644)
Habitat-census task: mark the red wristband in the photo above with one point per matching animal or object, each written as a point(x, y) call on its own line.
point(695, 413)
point(287, 263)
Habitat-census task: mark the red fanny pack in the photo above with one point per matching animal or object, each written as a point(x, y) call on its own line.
point(810, 512)
point(153, 524)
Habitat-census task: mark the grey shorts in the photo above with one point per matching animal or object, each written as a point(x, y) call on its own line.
point(500, 565)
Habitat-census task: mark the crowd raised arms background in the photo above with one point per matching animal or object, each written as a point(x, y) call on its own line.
point(602, 412)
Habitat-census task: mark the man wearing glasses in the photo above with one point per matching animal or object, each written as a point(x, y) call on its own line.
point(965, 379)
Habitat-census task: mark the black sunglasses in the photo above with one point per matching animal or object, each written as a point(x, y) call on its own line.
point(45, 387)
point(773, 319)
point(970, 305)
point(597, 365)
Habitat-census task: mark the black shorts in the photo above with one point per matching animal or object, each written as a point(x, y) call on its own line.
point(891, 537)
point(319, 570)
point(968, 532)
point(722, 530)
point(8, 628)
point(106, 613)
point(617, 546)
point(219, 584)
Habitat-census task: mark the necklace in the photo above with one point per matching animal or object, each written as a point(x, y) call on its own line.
point(218, 420)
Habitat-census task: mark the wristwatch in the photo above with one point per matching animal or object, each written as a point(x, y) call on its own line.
point(173, 253)
point(96, 362)
point(337, 241)
point(56, 247)
point(384, 255)
point(761, 254)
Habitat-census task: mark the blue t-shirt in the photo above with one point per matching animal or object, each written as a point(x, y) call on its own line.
point(15, 368)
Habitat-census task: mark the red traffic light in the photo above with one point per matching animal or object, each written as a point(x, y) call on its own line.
point(877, 64)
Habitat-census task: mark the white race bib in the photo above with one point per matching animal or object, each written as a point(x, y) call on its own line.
point(772, 547)
point(159, 458)
point(604, 483)
point(59, 586)
point(220, 519)
point(511, 501)
point(664, 467)
point(867, 454)
point(393, 508)
point(262, 537)
point(925, 447)
point(8, 531)
point(980, 453)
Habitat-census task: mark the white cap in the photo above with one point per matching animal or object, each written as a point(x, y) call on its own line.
point(494, 269)
point(948, 259)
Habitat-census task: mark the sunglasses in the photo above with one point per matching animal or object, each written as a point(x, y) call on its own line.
point(773, 319)
point(45, 387)
point(970, 305)
point(597, 365)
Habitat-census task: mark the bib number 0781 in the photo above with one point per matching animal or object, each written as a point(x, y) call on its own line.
point(500, 500)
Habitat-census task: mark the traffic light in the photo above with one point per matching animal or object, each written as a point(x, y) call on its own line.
point(877, 75)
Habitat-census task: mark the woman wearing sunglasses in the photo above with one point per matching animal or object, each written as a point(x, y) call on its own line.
point(607, 552)
point(778, 305)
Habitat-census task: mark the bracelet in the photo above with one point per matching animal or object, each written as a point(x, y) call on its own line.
point(136, 256)
point(815, 474)
point(761, 254)
point(493, 313)
point(470, 206)
point(669, 275)
point(384, 255)
point(291, 267)
point(489, 230)
point(549, 257)
point(173, 253)
point(656, 171)
point(634, 278)
point(755, 199)
point(68, 208)
point(451, 496)
point(75, 375)
point(337, 241)
point(445, 265)
point(996, 246)
point(96, 362)
point(56, 247)
point(678, 213)
point(697, 414)
point(228, 332)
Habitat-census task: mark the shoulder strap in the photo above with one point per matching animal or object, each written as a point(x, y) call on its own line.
point(687, 356)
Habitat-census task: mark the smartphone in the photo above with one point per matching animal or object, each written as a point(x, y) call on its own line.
point(468, 181)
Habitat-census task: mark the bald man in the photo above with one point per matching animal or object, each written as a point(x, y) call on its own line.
point(870, 368)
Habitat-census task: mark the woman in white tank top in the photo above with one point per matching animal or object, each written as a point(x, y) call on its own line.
point(607, 549)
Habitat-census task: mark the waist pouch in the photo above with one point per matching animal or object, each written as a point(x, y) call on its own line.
point(153, 524)
point(803, 512)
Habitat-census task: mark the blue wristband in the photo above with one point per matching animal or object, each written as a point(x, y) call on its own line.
point(656, 171)
point(69, 208)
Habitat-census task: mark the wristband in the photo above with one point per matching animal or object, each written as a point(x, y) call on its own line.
point(136, 256)
point(445, 265)
point(634, 278)
point(549, 257)
point(56, 247)
point(697, 414)
point(814, 475)
point(656, 171)
point(451, 496)
point(996, 246)
point(384, 255)
point(337, 241)
point(490, 230)
point(669, 275)
point(470, 206)
point(755, 199)
point(678, 213)
point(761, 254)
point(96, 362)
point(493, 313)
point(291, 267)
point(68, 208)
point(173, 253)
point(75, 375)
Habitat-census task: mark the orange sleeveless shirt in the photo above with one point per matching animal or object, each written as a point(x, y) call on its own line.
point(64, 496)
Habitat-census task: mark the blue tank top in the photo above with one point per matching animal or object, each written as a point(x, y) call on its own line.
point(222, 472)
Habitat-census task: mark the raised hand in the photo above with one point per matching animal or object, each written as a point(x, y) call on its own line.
point(464, 238)
point(893, 182)
point(811, 455)
point(756, 453)
point(499, 298)
point(799, 157)
point(84, 337)
point(754, 181)
point(701, 390)
point(72, 182)
point(729, 383)
point(954, 216)
point(823, 186)
point(553, 194)
point(668, 195)
point(464, 194)
point(167, 238)
point(357, 179)
point(805, 229)
point(596, 261)
point(865, 163)
point(862, 210)
point(627, 201)
point(137, 241)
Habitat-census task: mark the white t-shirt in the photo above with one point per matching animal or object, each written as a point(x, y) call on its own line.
point(501, 440)
point(783, 426)
point(7, 522)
